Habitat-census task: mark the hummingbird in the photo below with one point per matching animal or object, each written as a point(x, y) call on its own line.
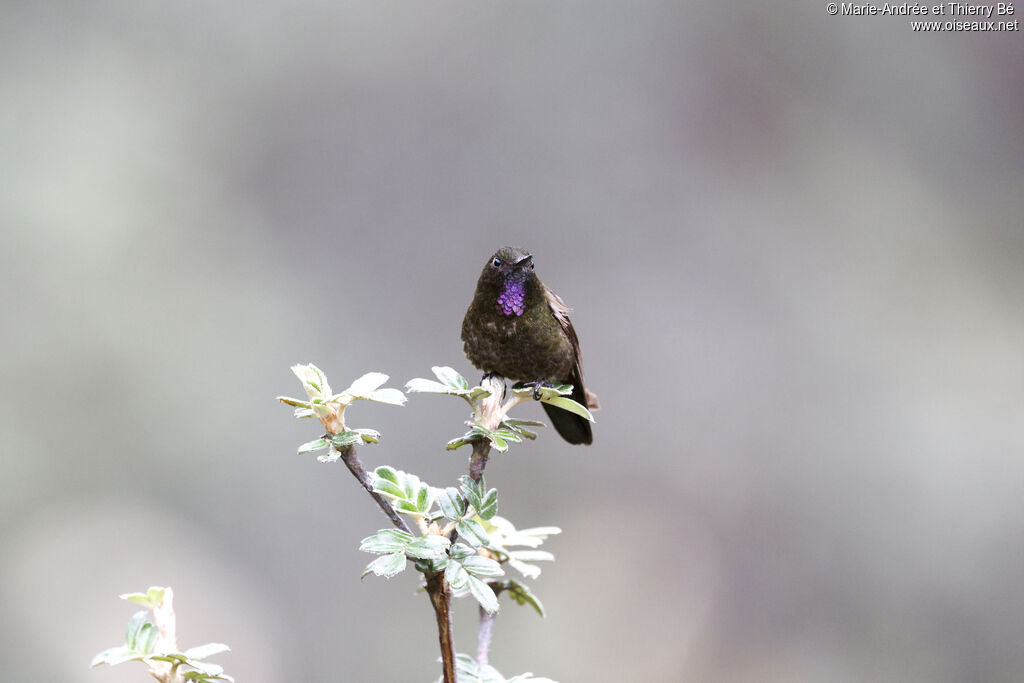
point(519, 329)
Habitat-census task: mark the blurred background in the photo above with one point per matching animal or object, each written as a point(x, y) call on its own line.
point(793, 243)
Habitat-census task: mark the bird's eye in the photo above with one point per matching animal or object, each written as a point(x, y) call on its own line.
point(531, 265)
point(496, 262)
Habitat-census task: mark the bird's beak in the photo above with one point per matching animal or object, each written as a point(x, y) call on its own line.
point(525, 261)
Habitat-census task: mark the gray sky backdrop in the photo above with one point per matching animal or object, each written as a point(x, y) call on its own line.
point(793, 242)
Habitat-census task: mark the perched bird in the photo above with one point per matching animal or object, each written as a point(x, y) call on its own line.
point(519, 329)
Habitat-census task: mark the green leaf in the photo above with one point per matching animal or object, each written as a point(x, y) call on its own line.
point(474, 490)
point(449, 377)
point(206, 678)
point(520, 559)
point(517, 423)
point(420, 385)
point(508, 435)
point(366, 384)
point(475, 394)
point(135, 624)
point(504, 533)
point(408, 494)
point(499, 444)
point(456, 576)
point(483, 594)
point(391, 396)
point(432, 567)
point(171, 657)
point(368, 435)
point(570, 405)
point(202, 677)
point(153, 596)
point(519, 429)
point(386, 541)
point(205, 651)
point(386, 565)
point(460, 551)
point(313, 379)
point(482, 567)
point(312, 446)
point(389, 489)
point(116, 655)
point(489, 505)
point(146, 638)
point(545, 391)
point(330, 456)
point(530, 571)
point(293, 402)
point(532, 555)
point(451, 382)
point(484, 501)
point(517, 560)
point(468, 437)
point(522, 594)
point(429, 547)
point(472, 532)
point(406, 507)
point(534, 536)
point(464, 664)
point(388, 473)
point(452, 504)
point(424, 499)
point(347, 438)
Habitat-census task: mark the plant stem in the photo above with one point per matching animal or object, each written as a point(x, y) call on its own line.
point(441, 598)
point(351, 460)
point(478, 461)
point(438, 589)
point(483, 639)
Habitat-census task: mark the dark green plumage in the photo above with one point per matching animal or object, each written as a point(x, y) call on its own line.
point(519, 329)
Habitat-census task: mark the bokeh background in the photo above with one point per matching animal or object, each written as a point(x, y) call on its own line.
point(794, 247)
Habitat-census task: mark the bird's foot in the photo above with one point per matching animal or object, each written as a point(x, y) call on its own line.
point(537, 386)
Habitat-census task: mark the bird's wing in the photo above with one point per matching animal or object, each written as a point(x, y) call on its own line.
point(561, 313)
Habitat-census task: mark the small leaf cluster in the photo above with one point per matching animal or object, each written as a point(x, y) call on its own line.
point(314, 381)
point(335, 442)
point(468, 671)
point(394, 545)
point(508, 430)
point(466, 508)
point(484, 542)
point(329, 408)
point(469, 507)
point(504, 536)
point(408, 495)
point(141, 639)
point(504, 430)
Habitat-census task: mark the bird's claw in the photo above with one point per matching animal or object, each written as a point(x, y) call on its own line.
point(537, 386)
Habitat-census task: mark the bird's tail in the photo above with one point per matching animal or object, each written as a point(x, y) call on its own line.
point(572, 427)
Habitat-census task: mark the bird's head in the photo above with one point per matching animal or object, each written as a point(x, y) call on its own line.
point(509, 274)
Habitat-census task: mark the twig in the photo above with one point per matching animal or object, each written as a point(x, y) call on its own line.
point(483, 639)
point(351, 460)
point(489, 414)
point(478, 461)
point(438, 589)
point(441, 598)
